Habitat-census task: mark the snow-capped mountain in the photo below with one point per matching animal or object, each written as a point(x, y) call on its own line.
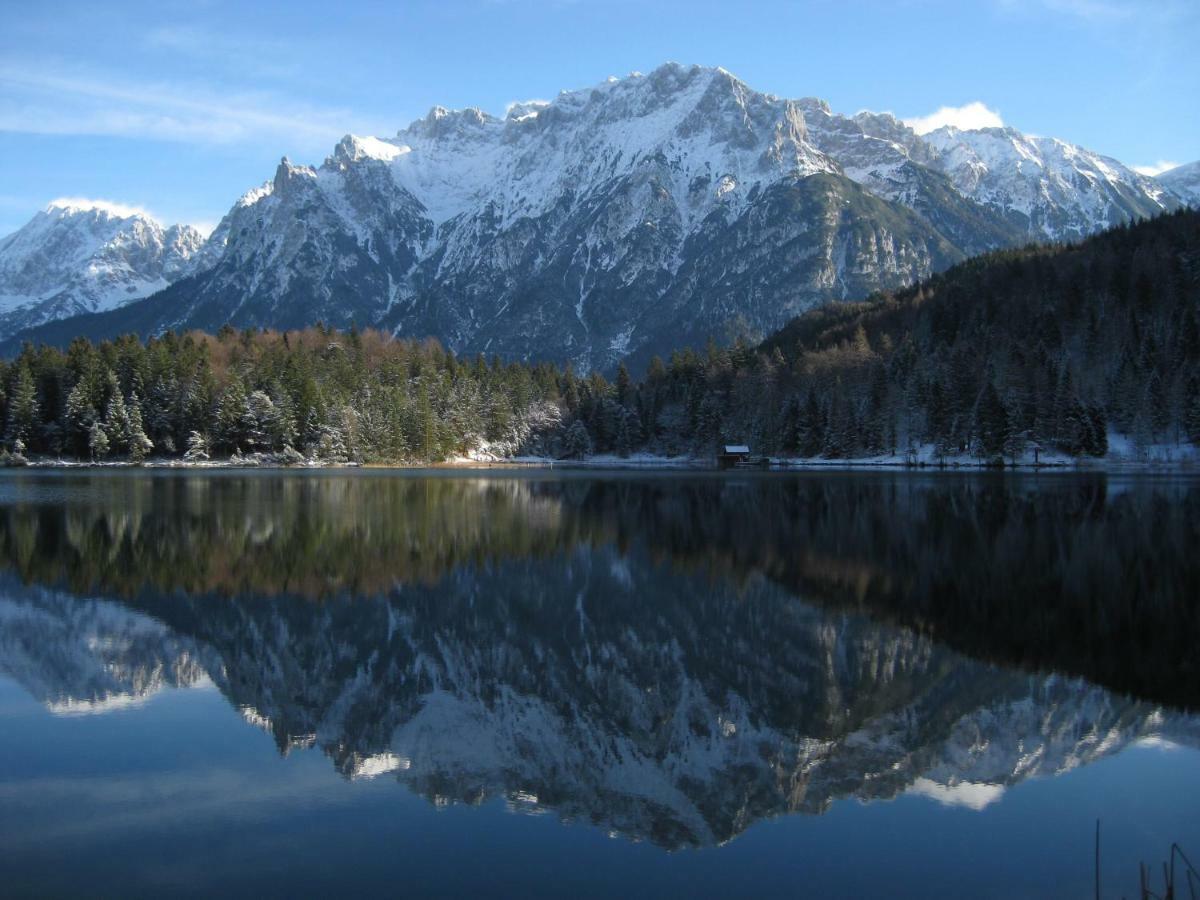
point(80, 257)
point(1184, 181)
point(627, 219)
point(1047, 187)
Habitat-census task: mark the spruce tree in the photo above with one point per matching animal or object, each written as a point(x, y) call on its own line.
point(97, 441)
point(23, 407)
point(139, 444)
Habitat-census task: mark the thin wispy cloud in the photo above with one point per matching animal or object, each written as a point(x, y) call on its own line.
point(38, 100)
point(966, 117)
point(258, 56)
point(1157, 168)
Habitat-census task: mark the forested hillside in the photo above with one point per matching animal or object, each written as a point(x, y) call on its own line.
point(1057, 346)
point(1049, 347)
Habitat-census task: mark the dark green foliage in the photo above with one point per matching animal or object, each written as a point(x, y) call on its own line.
point(356, 396)
point(1045, 345)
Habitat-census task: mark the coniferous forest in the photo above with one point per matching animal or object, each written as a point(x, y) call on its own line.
point(1053, 348)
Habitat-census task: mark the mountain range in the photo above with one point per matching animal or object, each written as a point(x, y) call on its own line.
point(614, 222)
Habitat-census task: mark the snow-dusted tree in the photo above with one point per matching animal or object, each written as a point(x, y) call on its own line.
point(97, 441)
point(197, 447)
point(282, 425)
point(332, 444)
point(116, 417)
point(259, 421)
point(78, 417)
point(22, 406)
point(159, 410)
point(136, 440)
point(232, 415)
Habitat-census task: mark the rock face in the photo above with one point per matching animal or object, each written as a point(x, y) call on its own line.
point(75, 258)
point(1184, 181)
point(626, 220)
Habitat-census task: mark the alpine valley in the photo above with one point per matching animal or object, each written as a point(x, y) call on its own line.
point(612, 223)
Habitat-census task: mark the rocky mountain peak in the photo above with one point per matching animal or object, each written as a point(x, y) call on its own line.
point(79, 256)
point(287, 175)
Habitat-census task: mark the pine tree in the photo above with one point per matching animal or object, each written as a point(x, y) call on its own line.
point(1192, 415)
point(23, 407)
point(258, 421)
point(1097, 431)
point(332, 444)
point(78, 418)
point(628, 435)
point(116, 418)
point(197, 447)
point(577, 443)
point(139, 444)
point(991, 424)
point(97, 441)
point(624, 385)
point(232, 416)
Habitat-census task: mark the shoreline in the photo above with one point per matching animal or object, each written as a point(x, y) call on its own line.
point(646, 462)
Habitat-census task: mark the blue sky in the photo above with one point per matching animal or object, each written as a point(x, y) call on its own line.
point(179, 107)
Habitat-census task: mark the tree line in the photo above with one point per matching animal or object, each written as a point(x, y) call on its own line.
point(1045, 347)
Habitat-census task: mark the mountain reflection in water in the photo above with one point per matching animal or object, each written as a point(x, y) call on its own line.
point(671, 657)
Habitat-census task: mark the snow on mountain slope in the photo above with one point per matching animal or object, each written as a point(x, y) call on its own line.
point(1054, 189)
point(82, 256)
point(626, 219)
point(1184, 181)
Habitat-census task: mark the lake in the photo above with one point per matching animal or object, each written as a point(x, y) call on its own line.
point(530, 683)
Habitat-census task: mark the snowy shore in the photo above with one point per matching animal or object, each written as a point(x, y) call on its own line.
point(1123, 456)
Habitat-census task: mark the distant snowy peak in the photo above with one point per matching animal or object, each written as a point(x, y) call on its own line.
point(1058, 189)
point(1184, 181)
point(87, 256)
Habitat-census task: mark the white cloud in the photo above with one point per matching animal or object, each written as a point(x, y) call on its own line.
point(967, 117)
point(205, 226)
point(1157, 168)
point(123, 210)
point(525, 107)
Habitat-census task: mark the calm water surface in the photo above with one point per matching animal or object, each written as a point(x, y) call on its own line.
point(829, 685)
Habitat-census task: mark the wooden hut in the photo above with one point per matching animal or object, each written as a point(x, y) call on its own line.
point(734, 456)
